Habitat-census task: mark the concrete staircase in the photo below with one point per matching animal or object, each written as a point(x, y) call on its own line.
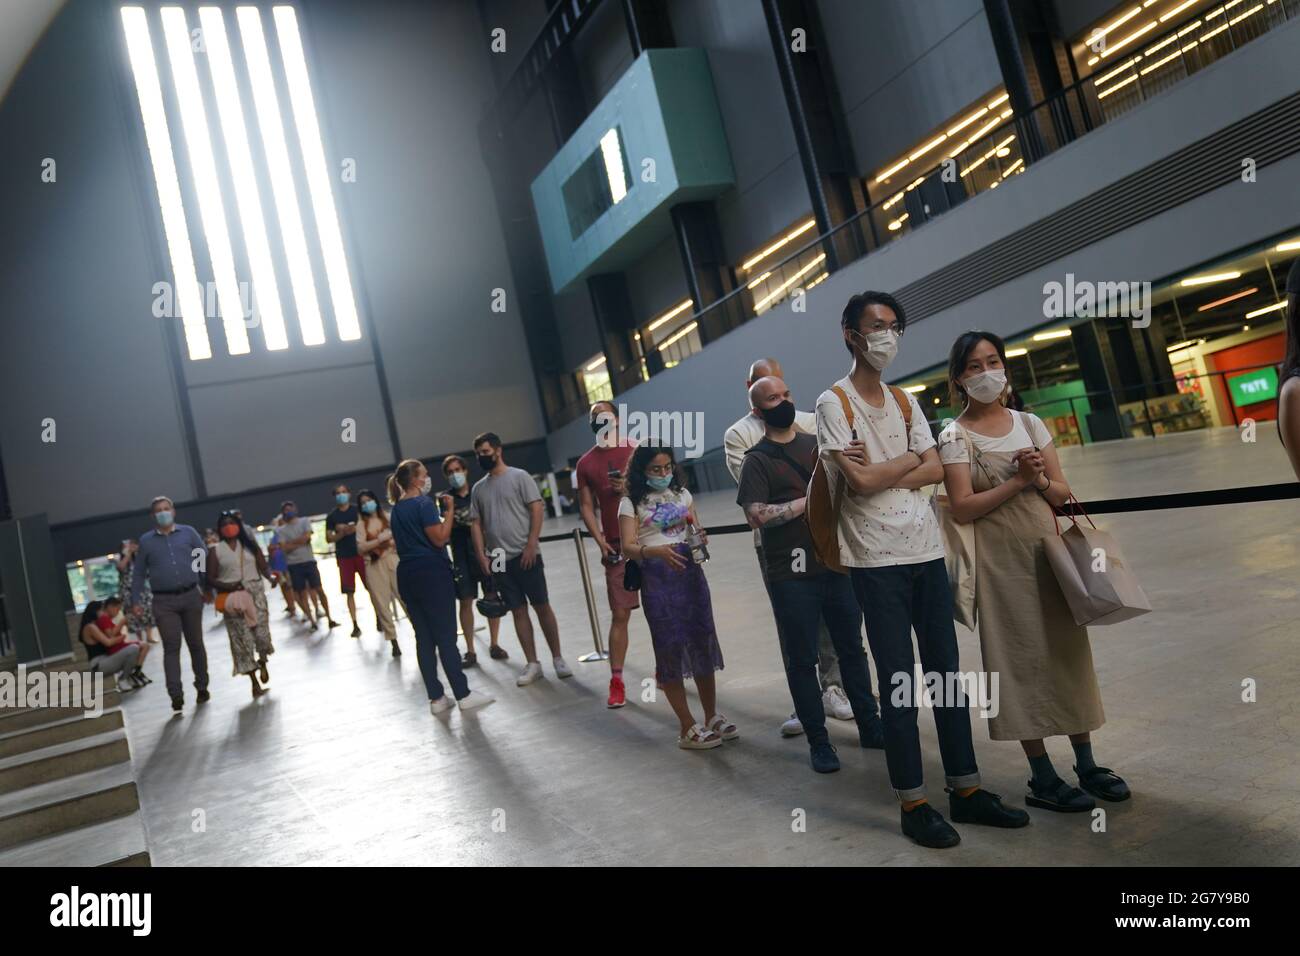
point(67, 790)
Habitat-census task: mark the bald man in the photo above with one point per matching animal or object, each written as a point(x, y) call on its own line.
point(806, 596)
point(739, 439)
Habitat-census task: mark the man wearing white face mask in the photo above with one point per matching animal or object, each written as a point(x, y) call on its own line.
point(170, 558)
point(890, 543)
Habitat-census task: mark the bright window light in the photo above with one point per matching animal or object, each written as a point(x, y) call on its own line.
point(613, 156)
point(318, 178)
point(188, 297)
point(194, 121)
point(266, 293)
point(267, 107)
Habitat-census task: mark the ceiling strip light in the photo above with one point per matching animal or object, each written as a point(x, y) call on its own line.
point(318, 177)
point(1058, 334)
point(668, 315)
point(681, 334)
point(1264, 311)
point(267, 106)
point(1212, 277)
point(789, 282)
point(1226, 299)
point(789, 236)
point(266, 293)
point(188, 298)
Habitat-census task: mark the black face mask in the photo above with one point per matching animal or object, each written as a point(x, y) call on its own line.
point(781, 416)
point(596, 425)
point(487, 462)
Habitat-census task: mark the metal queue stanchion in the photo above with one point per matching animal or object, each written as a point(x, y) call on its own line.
point(599, 654)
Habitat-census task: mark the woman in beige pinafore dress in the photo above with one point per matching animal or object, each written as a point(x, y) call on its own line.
point(1003, 476)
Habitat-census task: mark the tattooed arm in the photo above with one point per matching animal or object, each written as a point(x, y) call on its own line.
point(762, 515)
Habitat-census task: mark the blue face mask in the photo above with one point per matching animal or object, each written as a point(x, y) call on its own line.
point(370, 507)
point(342, 498)
point(164, 518)
point(457, 479)
point(658, 482)
point(289, 513)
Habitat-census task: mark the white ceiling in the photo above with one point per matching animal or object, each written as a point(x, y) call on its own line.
point(21, 24)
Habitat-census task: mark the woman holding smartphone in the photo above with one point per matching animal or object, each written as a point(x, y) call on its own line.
point(1003, 476)
point(655, 520)
point(425, 583)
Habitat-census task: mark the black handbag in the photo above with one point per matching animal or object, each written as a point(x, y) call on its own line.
point(631, 576)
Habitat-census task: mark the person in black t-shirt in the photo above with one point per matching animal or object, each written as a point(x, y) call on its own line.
point(341, 531)
point(773, 488)
point(465, 567)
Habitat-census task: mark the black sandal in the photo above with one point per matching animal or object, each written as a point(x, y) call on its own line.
point(1058, 796)
point(1104, 783)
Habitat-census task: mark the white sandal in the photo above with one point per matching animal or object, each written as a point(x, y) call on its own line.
point(699, 738)
point(723, 728)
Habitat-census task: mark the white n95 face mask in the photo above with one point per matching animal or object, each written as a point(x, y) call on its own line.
point(986, 386)
point(881, 348)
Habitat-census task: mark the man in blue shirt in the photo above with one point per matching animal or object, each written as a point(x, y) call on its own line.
point(173, 557)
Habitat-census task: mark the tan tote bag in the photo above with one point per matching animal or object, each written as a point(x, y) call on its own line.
point(958, 551)
point(1098, 583)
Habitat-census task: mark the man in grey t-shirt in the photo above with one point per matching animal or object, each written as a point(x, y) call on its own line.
point(304, 576)
point(507, 513)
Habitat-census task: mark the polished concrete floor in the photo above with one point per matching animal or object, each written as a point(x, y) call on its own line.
point(342, 764)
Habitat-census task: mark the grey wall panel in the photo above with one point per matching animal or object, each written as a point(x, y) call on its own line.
point(521, 19)
point(1213, 225)
point(423, 213)
point(1074, 15)
point(904, 67)
point(770, 191)
point(657, 283)
point(269, 431)
point(576, 323)
point(80, 344)
point(603, 51)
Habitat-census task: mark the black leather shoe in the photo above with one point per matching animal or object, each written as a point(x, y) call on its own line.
point(203, 696)
point(873, 738)
point(823, 758)
point(985, 808)
point(926, 826)
point(178, 703)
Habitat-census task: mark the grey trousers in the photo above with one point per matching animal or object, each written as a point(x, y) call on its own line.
point(180, 615)
point(828, 665)
point(124, 660)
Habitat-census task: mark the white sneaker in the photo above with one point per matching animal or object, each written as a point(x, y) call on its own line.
point(562, 669)
point(441, 705)
point(836, 704)
point(529, 674)
point(475, 699)
point(792, 727)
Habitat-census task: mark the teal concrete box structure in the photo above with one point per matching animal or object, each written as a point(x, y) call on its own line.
point(655, 140)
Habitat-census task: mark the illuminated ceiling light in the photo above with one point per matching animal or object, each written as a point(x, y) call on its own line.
point(985, 158)
point(1012, 168)
point(188, 297)
point(684, 331)
point(1180, 345)
point(927, 147)
point(1057, 334)
point(758, 280)
point(1249, 13)
point(1016, 353)
point(1226, 299)
point(676, 310)
point(1221, 10)
point(1161, 62)
point(318, 178)
point(1264, 311)
point(998, 101)
point(792, 234)
point(891, 170)
point(1178, 9)
point(212, 212)
point(1103, 31)
point(1140, 31)
point(789, 282)
point(613, 155)
point(967, 121)
point(1213, 33)
point(914, 388)
point(1003, 153)
point(593, 365)
point(266, 294)
point(820, 278)
point(1291, 245)
point(1118, 86)
point(897, 224)
point(1117, 71)
point(1213, 277)
point(267, 107)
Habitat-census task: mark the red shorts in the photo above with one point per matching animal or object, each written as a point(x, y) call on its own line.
point(349, 568)
point(619, 596)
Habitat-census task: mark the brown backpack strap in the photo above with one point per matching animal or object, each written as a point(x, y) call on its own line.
point(844, 403)
point(904, 405)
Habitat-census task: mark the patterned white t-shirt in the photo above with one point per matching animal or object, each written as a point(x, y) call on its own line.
point(661, 517)
point(890, 527)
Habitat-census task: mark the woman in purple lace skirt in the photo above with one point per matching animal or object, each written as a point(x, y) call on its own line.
point(654, 520)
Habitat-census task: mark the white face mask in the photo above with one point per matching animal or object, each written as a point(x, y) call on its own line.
point(987, 386)
point(426, 486)
point(881, 348)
